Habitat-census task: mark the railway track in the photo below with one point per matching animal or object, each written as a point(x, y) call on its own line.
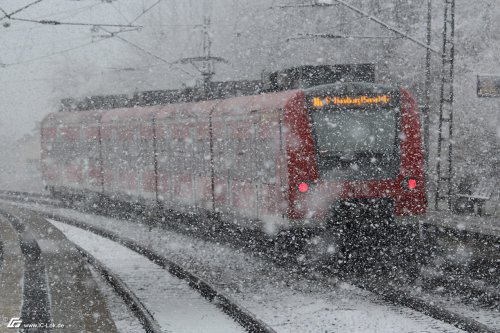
point(383, 287)
point(246, 319)
point(174, 304)
point(35, 302)
point(144, 317)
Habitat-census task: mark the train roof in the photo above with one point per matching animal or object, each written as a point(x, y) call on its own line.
point(247, 104)
point(67, 118)
point(351, 88)
point(300, 77)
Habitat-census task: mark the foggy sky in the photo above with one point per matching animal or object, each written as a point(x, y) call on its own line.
point(39, 70)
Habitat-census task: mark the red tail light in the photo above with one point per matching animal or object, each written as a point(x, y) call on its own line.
point(409, 184)
point(303, 187)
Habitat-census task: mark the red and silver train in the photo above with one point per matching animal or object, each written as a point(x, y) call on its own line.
point(273, 161)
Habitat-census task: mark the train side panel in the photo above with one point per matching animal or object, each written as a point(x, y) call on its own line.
point(127, 154)
point(90, 132)
point(412, 160)
point(51, 169)
point(250, 173)
point(301, 163)
point(70, 151)
point(183, 140)
point(272, 171)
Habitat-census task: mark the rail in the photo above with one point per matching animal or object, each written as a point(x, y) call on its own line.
point(240, 314)
point(386, 291)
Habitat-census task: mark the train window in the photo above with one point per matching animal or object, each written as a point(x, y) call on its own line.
point(202, 155)
point(352, 131)
point(180, 155)
point(357, 144)
point(266, 166)
point(239, 153)
point(163, 144)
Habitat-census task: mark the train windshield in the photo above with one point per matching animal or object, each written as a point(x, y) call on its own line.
point(356, 143)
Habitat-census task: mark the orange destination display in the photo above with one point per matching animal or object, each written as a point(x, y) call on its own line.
point(348, 101)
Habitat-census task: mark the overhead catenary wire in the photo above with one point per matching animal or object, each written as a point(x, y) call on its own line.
point(111, 34)
point(4, 12)
point(20, 10)
point(387, 26)
point(145, 11)
point(55, 53)
point(71, 11)
point(54, 22)
point(54, 42)
point(365, 15)
point(336, 36)
point(120, 13)
point(151, 54)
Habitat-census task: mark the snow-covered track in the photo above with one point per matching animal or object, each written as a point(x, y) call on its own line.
point(147, 321)
point(487, 294)
point(241, 315)
point(399, 296)
point(386, 291)
point(30, 197)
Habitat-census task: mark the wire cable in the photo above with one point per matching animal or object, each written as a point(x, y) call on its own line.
point(56, 53)
point(4, 12)
point(120, 13)
point(145, 11)
point(53, 22)
point(172, 65)
point(20, 10)
point(70, 11)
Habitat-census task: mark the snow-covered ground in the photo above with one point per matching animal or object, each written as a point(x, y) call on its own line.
point(283, 299)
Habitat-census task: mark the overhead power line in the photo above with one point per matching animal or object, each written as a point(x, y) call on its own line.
point(19, 10)
point(101, 38)
point(4, 12)
point(313, 4)
point(146, 10)
point(53, 22)
point(171, 64)
point(55, 53)
point(335, 36)
point(385, 25)
point(329, 3)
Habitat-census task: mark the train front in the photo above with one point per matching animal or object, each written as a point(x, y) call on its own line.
point(359, 159)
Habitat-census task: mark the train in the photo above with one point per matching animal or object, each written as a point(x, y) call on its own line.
point(299, 158)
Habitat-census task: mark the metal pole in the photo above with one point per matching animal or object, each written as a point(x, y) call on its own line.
point(445, 142)
point(426, 109)
point(207, 69)
point(452, 97)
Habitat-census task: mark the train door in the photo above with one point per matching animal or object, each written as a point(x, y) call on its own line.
point(269, 157)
